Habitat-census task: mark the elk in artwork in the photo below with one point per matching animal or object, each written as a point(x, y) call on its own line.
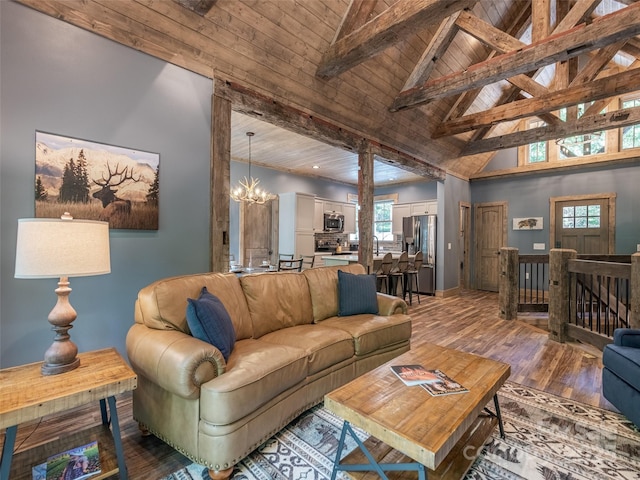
point(113, 206)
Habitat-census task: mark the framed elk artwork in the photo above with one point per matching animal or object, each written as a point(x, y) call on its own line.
point(96, 181)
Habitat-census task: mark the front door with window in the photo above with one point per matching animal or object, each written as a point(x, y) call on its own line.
point(583, 224)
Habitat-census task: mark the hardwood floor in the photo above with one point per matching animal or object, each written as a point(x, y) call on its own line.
point(468, 322)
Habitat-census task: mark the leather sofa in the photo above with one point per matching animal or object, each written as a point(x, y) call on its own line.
point(291, 349)
point(621, 373)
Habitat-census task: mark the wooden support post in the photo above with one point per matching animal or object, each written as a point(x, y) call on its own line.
point(634, 317)
point(365, 201)
point(508, 284)
point(220, 182)
point(559, 288)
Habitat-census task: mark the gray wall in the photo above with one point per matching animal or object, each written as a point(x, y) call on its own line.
point(529, 197)
point(58, 78)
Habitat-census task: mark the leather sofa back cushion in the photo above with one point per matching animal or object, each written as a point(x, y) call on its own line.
point(163, 304)
point(277, 300)
point(323, 287)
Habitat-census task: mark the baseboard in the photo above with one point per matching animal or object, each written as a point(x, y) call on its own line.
point(452, 292)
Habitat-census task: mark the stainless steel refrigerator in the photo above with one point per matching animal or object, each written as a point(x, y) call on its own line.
point(419, 234)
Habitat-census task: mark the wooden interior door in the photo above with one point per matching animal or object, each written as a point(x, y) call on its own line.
point(257, 237)
point(490, 236)
point(583, 225)
point(464, 245)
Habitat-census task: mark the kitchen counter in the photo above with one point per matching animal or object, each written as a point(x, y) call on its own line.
point(347, 259)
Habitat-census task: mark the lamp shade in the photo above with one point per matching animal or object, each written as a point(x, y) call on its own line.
point(50, 248)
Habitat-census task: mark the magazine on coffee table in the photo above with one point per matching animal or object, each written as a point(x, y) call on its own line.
point(414, 374)
point(76, 464)
point(444, 385)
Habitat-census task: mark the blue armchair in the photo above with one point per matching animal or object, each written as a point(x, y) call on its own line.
point(621, 373)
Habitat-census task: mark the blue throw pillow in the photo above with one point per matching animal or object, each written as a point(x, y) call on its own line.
point(356, 294)
point(209, 321)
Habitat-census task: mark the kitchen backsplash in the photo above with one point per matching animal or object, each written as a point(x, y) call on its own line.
point(333, 239)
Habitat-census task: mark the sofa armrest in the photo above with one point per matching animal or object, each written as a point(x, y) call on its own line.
point(390, 305)
point(175, 361)
point(627, 337)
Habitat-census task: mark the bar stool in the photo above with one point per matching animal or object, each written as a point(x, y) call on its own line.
point(382, 275)
point(398, 274)
point(411, 274)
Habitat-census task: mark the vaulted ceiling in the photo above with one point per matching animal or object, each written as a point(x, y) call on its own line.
point(432, 86)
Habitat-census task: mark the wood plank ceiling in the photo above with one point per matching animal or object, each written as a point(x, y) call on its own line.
point(433, 85)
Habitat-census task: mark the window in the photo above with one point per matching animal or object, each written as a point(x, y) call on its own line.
point(382, 220)
point(537, 152)
point(580, 145)
point(630, 135)
point(581, 216)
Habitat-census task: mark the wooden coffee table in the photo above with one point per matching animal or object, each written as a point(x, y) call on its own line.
point(412, 430)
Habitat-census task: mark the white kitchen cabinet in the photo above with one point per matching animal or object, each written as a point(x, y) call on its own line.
point(318, 261)
point(349, 212)
point(318, 216)
point(398, 212)
point(295, 222)
point(330, 206)
point(428, 207)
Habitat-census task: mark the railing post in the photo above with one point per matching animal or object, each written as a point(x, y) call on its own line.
point(559, 288)
point(634, 307)
point(508, 289)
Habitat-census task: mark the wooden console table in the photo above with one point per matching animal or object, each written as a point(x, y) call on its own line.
point(25, 395)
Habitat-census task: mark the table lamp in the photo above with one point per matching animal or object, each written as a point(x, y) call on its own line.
point(61, 248)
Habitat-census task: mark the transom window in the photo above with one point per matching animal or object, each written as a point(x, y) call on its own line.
point(538, 150)
point(580, 145)
point(581, 216)
point(631, 135)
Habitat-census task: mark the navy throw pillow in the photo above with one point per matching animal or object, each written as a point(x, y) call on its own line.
point(356, 294)
point(209, 321)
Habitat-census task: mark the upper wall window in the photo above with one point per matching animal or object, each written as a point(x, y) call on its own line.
point(580, 145)
point(630, 135)
point(382, 220)
point(537, 152)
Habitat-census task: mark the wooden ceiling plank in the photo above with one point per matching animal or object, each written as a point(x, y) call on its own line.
point(620, 83)
point(594, 123)
point(516, 29)
point(398, 22)
point(259, 106)
point(201, 7)
point(584, 38)
point(436, 48)
point(357, 14)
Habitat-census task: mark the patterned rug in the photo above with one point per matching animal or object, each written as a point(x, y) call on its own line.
point(547, 438)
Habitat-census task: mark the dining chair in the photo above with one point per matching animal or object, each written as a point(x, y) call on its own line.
point(411, 275)
point(397, 274)
point(290, 265)
point(307, 261)
point(382, 275)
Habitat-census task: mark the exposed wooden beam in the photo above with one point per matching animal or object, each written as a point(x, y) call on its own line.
point(437, 46)
point(398, 22)
point(583, 125)
point(618, 84)
point(357, 15)
point(201, 7)
point(598, 105)
point(541, 20)
point(597, 63)
point(584, 38)
point(365, 200)
point(220, 182)
point(264, 108)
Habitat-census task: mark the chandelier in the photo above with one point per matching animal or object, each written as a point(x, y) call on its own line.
point(248, 191)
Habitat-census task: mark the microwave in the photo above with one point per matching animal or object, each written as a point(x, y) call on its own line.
point(333, 222)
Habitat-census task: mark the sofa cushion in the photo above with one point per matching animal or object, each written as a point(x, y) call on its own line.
point(163, 304)
point(209, 321)
point(257, 371)
point(356, 294)
point(373, 332)
point(277, 300)
point(323, 288)
point(323, 346)
point(624, 362)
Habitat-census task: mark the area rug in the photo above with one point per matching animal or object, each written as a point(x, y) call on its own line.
point(547, 438)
